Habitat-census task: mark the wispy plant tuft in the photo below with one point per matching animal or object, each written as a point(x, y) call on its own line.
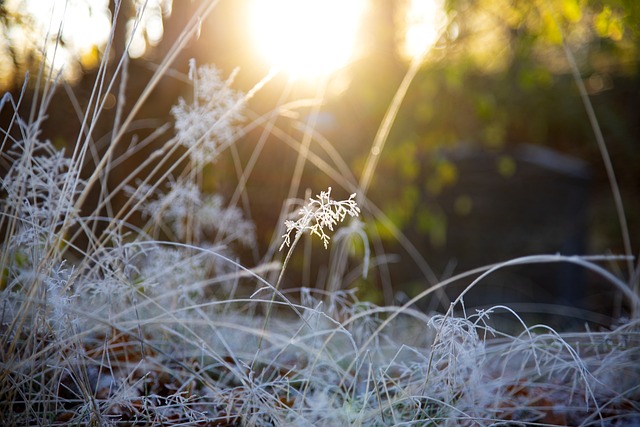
point(208, 123)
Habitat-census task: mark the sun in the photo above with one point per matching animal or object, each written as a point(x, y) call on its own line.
point(306, 38)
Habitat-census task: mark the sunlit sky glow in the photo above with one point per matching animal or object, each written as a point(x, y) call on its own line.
point(306, 38)
point(424, 22)
point(82, 26)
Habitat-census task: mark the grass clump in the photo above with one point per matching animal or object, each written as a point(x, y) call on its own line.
point(106, 323)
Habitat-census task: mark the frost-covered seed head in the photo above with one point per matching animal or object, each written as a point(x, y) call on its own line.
point(320, 213)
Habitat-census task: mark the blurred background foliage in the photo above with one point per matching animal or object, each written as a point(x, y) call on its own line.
point(496, 77)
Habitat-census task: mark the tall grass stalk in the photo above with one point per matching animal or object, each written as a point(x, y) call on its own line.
point(606, 158)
